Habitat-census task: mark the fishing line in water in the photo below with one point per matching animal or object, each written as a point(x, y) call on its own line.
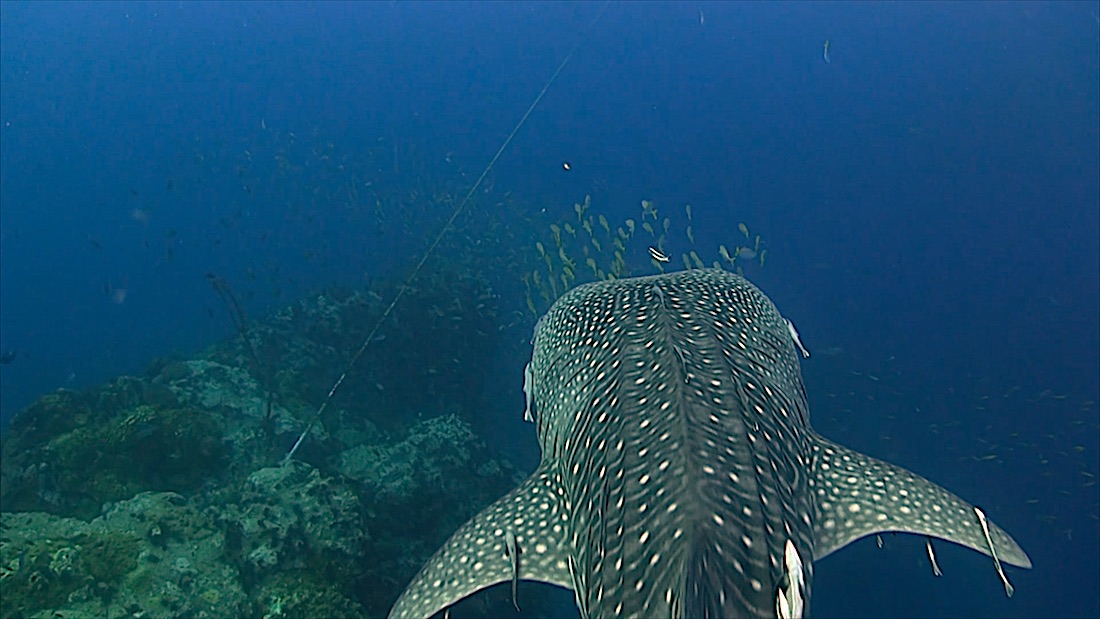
point(439, 237)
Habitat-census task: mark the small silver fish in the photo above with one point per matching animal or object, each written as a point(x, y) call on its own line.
point(797, 340)
point(511, 546)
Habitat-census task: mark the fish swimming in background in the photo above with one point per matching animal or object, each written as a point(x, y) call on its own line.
point(680, 476)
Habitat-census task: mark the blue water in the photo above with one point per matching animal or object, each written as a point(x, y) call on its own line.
point(930, 200)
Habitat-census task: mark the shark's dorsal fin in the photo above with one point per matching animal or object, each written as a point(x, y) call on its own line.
point(479, 554)
point(856, 495)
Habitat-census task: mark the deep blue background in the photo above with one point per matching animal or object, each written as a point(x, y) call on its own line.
point(930, 198)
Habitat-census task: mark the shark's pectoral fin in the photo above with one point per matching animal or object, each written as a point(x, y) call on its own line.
point(857, 495)
point(522, 533)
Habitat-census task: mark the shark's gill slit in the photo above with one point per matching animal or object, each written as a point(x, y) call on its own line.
point(439, 237)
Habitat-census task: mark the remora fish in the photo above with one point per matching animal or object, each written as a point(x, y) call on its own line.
point(680, 476)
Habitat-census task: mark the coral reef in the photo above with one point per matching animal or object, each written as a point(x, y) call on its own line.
point(293, 517)
point(154, 555)
point(106, 446)
point(164, 495)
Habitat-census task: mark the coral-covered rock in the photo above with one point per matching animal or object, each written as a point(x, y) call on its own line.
point(150, 556)
point(294, 517)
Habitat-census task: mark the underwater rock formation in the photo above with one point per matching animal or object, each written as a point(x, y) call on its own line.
point(163, 495)
point(154, 555)
point(293, 517)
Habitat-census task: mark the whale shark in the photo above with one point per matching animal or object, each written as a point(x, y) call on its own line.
point(680, 476)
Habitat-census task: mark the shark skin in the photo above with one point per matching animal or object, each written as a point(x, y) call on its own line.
point(680, 476)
